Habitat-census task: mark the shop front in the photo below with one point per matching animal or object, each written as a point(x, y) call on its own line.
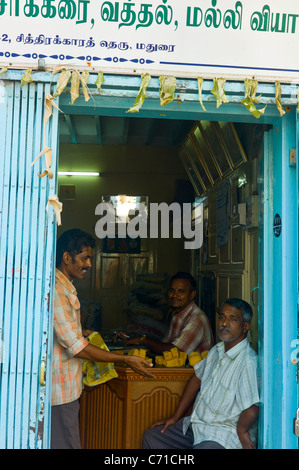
point(258, 259)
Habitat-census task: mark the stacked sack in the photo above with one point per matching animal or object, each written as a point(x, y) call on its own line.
point(147, 306)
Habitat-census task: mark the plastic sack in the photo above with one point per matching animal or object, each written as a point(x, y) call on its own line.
point(96, 373)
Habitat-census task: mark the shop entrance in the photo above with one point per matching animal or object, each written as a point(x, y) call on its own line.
point(256, 280)
point(277, 232)
point(227, 264)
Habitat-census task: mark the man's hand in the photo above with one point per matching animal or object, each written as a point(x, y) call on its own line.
point(138, 364)
point(245, 421)
point(167, 422)
point(121, 335)
point(246, 441)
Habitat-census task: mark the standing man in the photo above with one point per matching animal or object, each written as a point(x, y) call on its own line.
point(223, 392)
point(73, 260)
point(190, 329)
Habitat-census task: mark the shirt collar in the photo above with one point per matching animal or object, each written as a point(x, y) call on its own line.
point(233, 352)
point(65, 282)
point(184, 312)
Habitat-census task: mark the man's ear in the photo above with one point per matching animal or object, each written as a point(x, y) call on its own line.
point(246, 327)
point(193, 294)
point(66, 258)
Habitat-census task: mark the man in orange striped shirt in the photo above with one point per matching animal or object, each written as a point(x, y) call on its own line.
point(73, 260)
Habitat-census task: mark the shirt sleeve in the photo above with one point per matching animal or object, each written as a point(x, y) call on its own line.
point(67, 327)
point(247, 390)
point(191, 335)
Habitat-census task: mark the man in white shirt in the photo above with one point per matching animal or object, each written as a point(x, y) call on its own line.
point(223, 392)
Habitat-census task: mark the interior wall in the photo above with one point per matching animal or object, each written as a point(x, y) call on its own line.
point(231, 269)
point(131, 170)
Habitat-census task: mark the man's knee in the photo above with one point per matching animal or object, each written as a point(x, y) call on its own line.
point(150, 437)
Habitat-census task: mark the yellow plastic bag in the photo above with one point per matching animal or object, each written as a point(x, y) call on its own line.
point(95, 373)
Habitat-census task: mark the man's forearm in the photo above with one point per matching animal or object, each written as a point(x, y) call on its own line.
point(245, 421)
point(189, 395)
point(95, 354)
point(156, 346)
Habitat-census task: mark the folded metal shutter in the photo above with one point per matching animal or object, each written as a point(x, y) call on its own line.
point(27, 249)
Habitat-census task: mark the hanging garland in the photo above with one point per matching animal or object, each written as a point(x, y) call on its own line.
point(166, 94)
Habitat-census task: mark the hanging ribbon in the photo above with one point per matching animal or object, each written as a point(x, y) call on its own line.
point(47, 151)
point(48, 157)
point(49, 103)
point(250, 98)
point(145, 79)
point(200, 82)
point(278, 98)
point(218, 91)
point(57, 206)
point(167, 89)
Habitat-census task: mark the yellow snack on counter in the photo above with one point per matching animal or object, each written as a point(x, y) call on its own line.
point(167, 355)
point(204, 354)
point(121, 352)
point(194, 357)
point(174, 352)
point(194, 353)
point(159, 360)
point(183, 355)
point(148, 359)
point(142, 352)
point(174, 362)
point(133, 352)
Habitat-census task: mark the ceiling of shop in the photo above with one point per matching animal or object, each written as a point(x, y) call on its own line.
point(107, 130)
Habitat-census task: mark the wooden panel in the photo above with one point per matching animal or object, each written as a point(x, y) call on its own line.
point(116, 414)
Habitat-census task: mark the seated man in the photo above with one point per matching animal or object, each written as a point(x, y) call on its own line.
point(189, 330)
point(223, 392)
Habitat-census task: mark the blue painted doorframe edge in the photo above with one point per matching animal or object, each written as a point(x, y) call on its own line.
point(278, 320)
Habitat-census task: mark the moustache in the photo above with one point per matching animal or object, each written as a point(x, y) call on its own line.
point(225, 328)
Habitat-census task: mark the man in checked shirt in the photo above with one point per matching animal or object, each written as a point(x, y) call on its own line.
point(73, 260)
point(189, 330)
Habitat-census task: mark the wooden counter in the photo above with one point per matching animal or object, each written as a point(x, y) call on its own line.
point(115, 415)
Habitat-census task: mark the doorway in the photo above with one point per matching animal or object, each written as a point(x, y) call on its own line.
point(284, 137)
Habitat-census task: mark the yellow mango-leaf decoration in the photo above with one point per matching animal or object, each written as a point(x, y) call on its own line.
point(26, 77)
point(84, 80)
point(200, 82)
point(57, 206)
point(167, 89)
point(75, 83)
point(250, 98)
point(62, 82)
point(145, 79)
point(99, 81)
point(278, 98)
point(3, 70)
point(218, 91)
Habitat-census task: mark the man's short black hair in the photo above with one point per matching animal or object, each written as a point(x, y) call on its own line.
point(73, 241)
point(240, 305)
point(183, 275)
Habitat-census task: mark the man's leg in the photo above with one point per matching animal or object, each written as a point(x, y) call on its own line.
point(172, 438)
point(208, 445)
point(65, 432)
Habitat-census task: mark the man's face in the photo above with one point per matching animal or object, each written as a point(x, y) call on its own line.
point(232, 328)
point(77, 267)
point(180, 294)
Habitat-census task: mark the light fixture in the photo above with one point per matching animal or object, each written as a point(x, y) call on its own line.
point(78, 173)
